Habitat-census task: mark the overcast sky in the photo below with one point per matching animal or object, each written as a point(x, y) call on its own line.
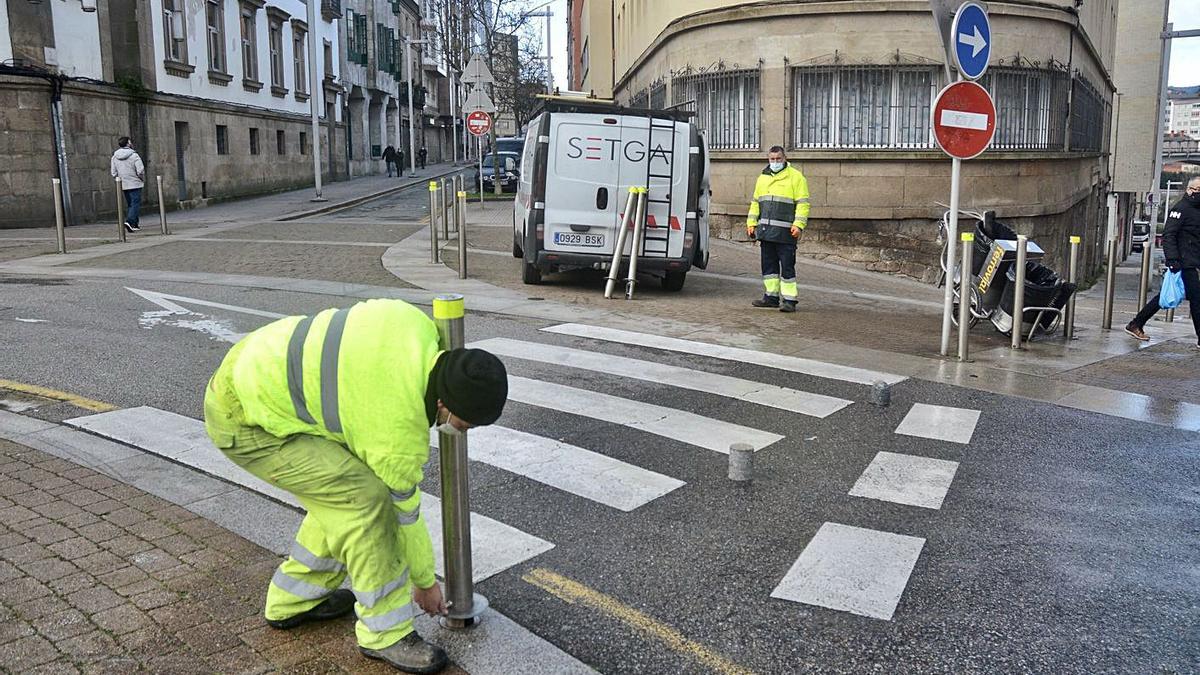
point(1185, 53)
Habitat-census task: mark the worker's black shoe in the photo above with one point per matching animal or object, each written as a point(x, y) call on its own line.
point(410, 655)
point(788, 306)
point(336, 605)
point(766, 301)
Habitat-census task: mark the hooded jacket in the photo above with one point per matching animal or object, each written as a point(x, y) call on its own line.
point(1181, 236)
point(127, 166)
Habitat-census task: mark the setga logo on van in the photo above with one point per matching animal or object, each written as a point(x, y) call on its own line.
point(597, 149)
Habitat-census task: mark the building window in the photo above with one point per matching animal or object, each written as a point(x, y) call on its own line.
point(280, 142)
point(215, 17)
point(1031, 108)
point(303, 143)
point(254, 149)
point(328, 59)
point(863, 106)
point(356, 37)
point(275, 19)
point(640, 99)
point(249, 24)
point(726, 106)
point(299, 58)
point(658, 95)
point(222, 139)
point(175, 30)
point(1089, 116)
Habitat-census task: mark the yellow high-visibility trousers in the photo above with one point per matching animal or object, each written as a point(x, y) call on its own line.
point(352, 525)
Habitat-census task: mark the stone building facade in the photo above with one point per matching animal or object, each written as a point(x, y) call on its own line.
point(847, 88)
point(214, 94)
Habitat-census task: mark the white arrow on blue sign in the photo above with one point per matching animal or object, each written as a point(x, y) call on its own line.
point(972, 37)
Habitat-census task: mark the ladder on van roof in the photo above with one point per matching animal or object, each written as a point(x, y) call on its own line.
point(657, 237)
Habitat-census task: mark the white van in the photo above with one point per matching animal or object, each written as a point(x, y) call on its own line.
point(580, 158)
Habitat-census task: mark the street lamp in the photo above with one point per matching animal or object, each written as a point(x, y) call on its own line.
point(412, 129)
point(549, 60)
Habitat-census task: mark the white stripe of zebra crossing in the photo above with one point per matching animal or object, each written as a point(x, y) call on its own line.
point(852, 569)
point(793, 364)
point(572, 469)
point(792, 400)
point(494, 545)
point(677, 425)
point(906, 479)
point(939, 422)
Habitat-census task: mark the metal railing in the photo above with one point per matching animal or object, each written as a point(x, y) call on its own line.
point(1031, 108)
point(871, 106)
point(726, 104)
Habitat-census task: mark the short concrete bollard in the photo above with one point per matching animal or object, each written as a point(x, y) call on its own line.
point(741, 462)
point(881, 394)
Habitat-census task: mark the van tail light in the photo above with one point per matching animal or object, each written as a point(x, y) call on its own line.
point(688, 239)
point(541, 232)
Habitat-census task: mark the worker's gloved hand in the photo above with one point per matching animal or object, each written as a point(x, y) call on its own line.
point(750, 231)
point(431, 600)
point(795, 232)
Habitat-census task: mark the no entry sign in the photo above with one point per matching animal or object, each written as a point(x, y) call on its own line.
point(479, 123)
point(964, 119)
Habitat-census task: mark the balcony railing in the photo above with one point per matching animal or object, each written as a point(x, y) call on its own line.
point(331, 9)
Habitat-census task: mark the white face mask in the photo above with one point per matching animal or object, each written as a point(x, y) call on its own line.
point(776, 167)
point(449, 430)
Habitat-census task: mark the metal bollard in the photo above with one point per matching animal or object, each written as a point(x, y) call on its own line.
point(1019, 291)
point(614, 270)
point(1147, 256)
point(162, 206)
point(636, 245)
point(741, 462)
point(433, 226)
point(465, 604)
point(1110, 284)
point(60, 230)
point(460, 213)
point(1072, 274)
point(881, 394)
point(964, 295)
point(444, 206)
point(120, 211)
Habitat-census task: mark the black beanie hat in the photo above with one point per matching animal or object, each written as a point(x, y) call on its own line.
point(472, 384)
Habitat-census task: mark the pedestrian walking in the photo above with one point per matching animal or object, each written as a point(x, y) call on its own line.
point(127, 165)
point(399, 163)
point(336, 409)
point(389, 158)
point(778, 212)
point(1181, 251)
point(421, 155)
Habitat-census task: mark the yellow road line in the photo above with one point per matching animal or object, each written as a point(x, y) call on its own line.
point(574, 592)
point(46, 392)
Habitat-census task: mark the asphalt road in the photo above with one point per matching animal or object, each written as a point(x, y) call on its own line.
point(1067, 541)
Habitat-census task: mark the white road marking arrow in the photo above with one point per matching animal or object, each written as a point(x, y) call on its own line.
point(164, 300)
point(174, 314)
point(976, 41)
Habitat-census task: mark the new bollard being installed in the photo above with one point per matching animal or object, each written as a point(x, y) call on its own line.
point(1072, 272)
point(162, 206)
point(120, 211)
point(741, 462)
point(433, 226)
point(635, 247)
point(465, 604)
point(964, 295)
point(614, 270)
point(1019, 291)
point(460, 213)
point(60, 230)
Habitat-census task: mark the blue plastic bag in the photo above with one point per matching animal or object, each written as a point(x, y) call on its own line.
point(1172, 290)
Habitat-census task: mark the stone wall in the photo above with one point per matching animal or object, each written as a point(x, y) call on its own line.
point(95, 115)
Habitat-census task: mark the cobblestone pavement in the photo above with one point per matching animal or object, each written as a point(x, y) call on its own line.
point(1168, 370)
point(350, 264)
point(99, 577)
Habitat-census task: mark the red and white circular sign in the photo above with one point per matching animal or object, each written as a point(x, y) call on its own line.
point(479, 123)
point(964, 119)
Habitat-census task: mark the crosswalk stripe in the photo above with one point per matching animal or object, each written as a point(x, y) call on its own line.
point(677, 425)
point(495, 545)
point(792, 400)
point(793, 364)
point(906, 479)
point(852, 569)
point(939, 422)
point(572, 469)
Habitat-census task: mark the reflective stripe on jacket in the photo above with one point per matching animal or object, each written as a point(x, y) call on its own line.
point(356, 376)
point(780, 203)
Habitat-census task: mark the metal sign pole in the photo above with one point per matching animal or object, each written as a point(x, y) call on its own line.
point(951, 254)
point(1019, 292)
point(1072, 274)
point(479, 139)
point(964, 296)
point(465, 604)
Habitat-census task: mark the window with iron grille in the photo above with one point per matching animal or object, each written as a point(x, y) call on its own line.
point(1031, 107)
point(639, 99)
point(658, 95)
point(863, 106)
point(726, 104)
point(1089, 114)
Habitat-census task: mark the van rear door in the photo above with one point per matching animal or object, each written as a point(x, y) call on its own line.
point(658, 159)
point(582, 195)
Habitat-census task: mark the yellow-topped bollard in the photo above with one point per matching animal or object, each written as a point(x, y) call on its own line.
point(448, 307)
point(968, 236)
point(434, 253)
point(966, 265)
point(1072, 273)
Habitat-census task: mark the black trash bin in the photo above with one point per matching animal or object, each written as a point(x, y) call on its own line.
point(1043, 288)
point(986, 231)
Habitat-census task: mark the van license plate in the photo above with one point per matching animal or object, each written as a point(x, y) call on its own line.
point(576, 239)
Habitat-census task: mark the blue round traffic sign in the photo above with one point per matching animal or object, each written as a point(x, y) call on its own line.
point(972, 37)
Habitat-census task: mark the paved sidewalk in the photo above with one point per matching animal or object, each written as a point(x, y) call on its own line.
point(100, 577)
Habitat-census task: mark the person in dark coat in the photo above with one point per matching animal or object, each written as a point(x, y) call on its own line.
point(389, 158)
point(1181, 250)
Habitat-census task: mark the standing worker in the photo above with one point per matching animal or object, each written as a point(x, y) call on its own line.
point(336, 408)
point(778, 212)
point(1181, 252)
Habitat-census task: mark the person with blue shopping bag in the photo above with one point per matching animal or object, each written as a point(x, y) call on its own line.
point(1181, 249)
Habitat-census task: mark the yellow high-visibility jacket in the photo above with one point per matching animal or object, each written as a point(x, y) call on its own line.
point(356, 376)
point(780, 203)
